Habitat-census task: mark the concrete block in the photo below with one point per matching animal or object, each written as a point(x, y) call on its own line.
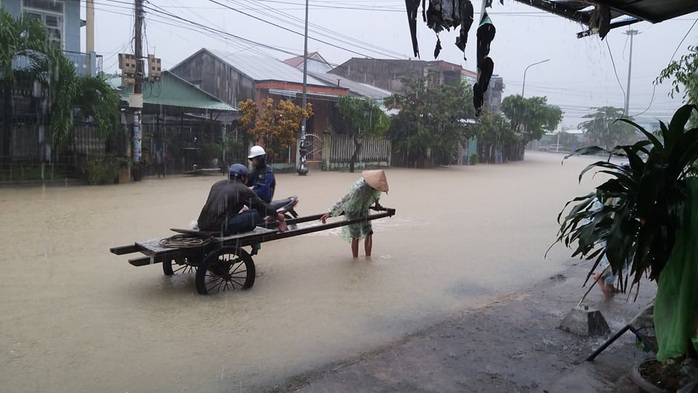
point(585, 321)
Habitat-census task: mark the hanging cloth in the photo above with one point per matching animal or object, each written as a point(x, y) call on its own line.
point(484, 74)
point(441, 15)
point(485, 36)
point(676, 305)
point(485, 65)
point(412, 8)
point(466, 20)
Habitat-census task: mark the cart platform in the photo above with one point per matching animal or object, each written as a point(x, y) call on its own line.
point(221, 263)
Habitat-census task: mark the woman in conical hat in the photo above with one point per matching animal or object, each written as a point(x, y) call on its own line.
point(355, 204)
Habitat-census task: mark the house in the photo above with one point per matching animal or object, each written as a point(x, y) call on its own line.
point(387, 73)
point(356, 89)
point(493, 96)
point(24, 135)
point(185, 122)
point(62, 18)
point(234, 78)
point(316, 63)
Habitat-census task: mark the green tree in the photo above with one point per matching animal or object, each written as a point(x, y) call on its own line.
point(25, 39)
point(43, 61)
point(684, 73)
point(431, 121)
point(93, 98)
point(363, 118)
point(603, 129)
point(530, 117)
point(496, 138)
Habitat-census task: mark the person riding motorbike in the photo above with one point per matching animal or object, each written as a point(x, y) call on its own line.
point(223, 211)
point(262, 178)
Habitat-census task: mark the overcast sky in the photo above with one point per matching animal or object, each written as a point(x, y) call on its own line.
point(579, 75)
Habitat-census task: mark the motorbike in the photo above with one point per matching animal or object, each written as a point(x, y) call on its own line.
point(287, 207)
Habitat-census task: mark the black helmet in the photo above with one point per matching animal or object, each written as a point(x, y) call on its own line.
point(237, 171)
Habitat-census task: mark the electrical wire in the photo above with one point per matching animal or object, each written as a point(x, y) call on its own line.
point(320, 29)
point(615, 71)
point(683, 39)
point(287, 29)
point(162, 11)
point(654, 85)
point(218, 31)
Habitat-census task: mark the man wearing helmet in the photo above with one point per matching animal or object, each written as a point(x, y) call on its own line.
point(262, 179)
point(222, 210)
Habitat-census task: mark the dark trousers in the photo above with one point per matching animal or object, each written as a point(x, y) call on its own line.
point(243, 222)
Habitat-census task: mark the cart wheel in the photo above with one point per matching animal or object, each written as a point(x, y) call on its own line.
point(224, 270)
point(170, 267)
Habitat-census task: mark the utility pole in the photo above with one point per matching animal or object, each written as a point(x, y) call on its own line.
point(90, 37)
point(303, 148)
point(133, 73)
point(631, 33)
point(136, 100)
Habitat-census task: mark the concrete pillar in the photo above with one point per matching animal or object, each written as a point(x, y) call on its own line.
point(90, 37)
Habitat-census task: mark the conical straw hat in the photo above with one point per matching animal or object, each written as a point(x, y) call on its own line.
point(376, 179)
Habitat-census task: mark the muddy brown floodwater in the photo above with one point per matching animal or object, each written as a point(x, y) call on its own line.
point(74, 317)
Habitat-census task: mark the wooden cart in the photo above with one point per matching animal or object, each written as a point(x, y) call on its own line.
point(222, 263)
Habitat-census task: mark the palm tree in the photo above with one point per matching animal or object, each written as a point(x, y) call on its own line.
point(22, 41)
point(27, 50)
point(93, 97)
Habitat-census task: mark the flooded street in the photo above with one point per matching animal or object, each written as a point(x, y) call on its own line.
point(77, 318)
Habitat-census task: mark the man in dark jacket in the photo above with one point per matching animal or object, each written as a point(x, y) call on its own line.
point(262, 179)
point(222, 210)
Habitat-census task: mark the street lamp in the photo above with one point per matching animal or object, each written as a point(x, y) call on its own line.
point(523, 87)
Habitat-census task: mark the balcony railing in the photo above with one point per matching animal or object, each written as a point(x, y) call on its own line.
point(81, 60)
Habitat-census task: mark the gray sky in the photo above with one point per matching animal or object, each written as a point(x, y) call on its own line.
point(578, 76)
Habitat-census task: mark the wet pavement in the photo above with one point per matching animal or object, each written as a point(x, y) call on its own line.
point(512, 344)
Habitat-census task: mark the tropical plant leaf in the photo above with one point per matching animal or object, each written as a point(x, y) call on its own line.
point(597, 164)
point(588, 150)
point(680, 118)
point(636, 230)
point(651, 138)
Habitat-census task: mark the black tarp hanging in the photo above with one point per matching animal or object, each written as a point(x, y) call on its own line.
point(439, 16)
point(446, 14)
point(412, 10)
point(485, 65)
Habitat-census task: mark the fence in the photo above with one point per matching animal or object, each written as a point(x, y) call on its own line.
point(88, 141)
point(374, 152)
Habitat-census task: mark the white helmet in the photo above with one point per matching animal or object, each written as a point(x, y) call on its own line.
point(256, 151)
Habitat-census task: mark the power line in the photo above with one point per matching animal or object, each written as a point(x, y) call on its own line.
point(684, 37)
point(218, 31)
point(365, 44)
point(614, 67)
point(654, 85)
point(286, 29)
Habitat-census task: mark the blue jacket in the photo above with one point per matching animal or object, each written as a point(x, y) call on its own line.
point(263, 182)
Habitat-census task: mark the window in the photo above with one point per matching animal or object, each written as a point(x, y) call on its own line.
point(50, 13)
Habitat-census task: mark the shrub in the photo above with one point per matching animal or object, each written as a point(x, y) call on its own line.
point(104, 169)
